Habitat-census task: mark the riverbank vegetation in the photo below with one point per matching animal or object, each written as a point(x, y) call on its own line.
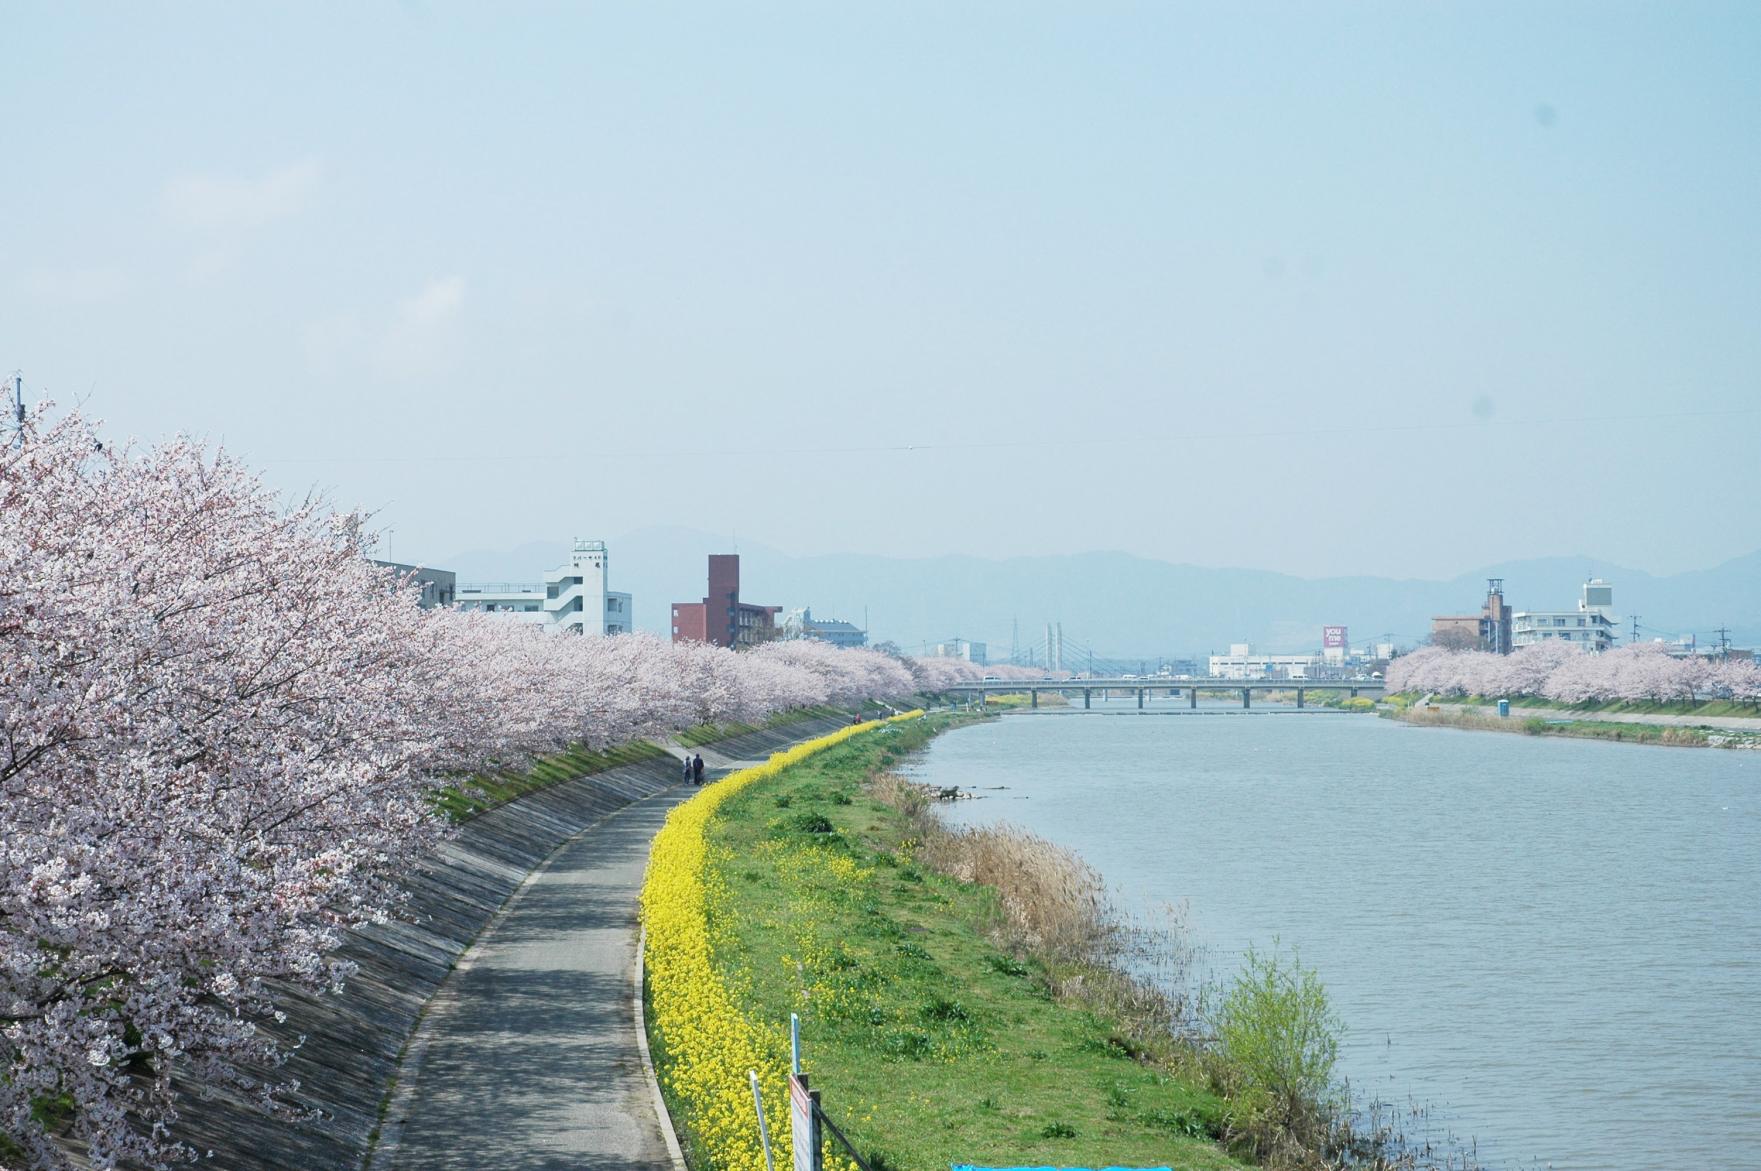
point(703, 1041)
point(1616, 707)
point(1024, 700)
point(1481, 718)
point(706, 733)
point(466, 799)
point(974, 995)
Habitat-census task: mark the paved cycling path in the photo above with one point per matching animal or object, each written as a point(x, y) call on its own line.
point(528, 1057)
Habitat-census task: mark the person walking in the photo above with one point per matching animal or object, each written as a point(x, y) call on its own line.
point(697, 768)
point(687, 768)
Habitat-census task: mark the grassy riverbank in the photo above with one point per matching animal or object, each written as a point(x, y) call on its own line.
point(931, 1043)
point(1613, 707)
point(486, 791)
point(1475, 719)
point(964, 995)
point(1023, 700)
point(1483, 718)
point(1481, 715)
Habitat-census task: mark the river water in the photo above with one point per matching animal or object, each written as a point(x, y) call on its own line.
point(1551, 946)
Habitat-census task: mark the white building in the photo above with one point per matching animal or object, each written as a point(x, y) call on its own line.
point(802, 624)
point(1592, 625)
point(570, 600)
point(1242, 663)
point(964, 648)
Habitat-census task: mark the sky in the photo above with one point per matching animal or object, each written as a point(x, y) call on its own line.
point(1398, 288)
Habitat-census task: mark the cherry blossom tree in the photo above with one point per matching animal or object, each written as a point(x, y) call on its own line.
point(219, 726)
point(1572, 675)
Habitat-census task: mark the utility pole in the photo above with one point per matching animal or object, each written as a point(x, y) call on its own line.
point(1724, 642)
point(1635, 630)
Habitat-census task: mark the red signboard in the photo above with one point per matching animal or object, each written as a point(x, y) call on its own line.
point(1333, 636)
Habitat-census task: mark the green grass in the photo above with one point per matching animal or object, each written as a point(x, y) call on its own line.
point(930, 1045)
point(1024, 699)
point(1639, 707)
point(707, 733)
point(1478, 717)
point(1607, 730)
point(1344, 702)
point(476, 794)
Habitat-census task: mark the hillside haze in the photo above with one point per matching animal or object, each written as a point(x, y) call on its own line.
point(1120, 604)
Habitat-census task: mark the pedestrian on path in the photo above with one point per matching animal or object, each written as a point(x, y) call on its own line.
point(697, 768)
point(687, 768)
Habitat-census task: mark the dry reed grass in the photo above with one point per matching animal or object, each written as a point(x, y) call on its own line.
point(1053, 907)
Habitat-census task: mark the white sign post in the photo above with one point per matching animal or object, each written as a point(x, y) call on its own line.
point(804, 1123)
point(763, 1130)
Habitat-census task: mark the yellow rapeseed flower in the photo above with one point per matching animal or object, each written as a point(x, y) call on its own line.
point(708, 1043)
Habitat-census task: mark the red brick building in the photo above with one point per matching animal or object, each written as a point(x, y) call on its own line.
point(721, 618)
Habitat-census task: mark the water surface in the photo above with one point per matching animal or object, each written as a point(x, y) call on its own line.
point(1553, 944)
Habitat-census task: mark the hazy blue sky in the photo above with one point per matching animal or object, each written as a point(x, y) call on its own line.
point(1391, 288)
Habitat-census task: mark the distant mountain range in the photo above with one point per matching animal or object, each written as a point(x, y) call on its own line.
point(1118, 604)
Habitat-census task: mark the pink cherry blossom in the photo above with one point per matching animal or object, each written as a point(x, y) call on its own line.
point(1557, 671)
point(219, 726)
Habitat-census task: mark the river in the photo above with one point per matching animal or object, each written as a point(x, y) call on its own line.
point(1553, 946)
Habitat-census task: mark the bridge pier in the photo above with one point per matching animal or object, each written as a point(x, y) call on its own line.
point(1299, 697)
point(1086, 693)
point(1246, 702)
point(1033, 696)
point(1192, 697)
point(1354, 693)
point(1140, 699)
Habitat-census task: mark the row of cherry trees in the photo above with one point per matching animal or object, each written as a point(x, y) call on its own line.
point(219, 728)
point(1565, 674)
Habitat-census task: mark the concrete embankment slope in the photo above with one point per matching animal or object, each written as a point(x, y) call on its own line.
point(352, 1042)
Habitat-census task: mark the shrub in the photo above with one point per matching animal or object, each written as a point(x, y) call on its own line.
point(809, 823)
point(1277, 1036)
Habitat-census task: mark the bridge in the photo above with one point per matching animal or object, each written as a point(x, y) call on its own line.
point(1173, 687)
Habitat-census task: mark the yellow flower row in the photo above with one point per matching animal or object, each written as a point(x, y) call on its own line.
point(707, 1042)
